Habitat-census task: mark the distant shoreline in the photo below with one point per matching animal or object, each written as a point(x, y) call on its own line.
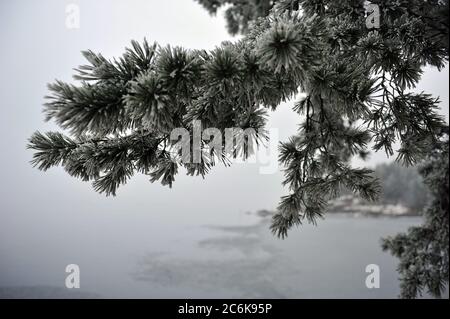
point(350, 205)
point(353, 205)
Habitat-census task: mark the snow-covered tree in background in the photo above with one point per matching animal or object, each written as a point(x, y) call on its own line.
point(359, 85)
point(423, 250)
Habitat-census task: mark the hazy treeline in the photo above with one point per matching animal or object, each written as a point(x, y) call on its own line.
point(402, 185)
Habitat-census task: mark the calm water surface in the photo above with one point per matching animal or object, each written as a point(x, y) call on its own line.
point(213, 261)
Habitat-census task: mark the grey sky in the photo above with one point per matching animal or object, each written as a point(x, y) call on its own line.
point(36, 49)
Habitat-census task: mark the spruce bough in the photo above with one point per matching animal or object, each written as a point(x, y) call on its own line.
point(359, 87)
